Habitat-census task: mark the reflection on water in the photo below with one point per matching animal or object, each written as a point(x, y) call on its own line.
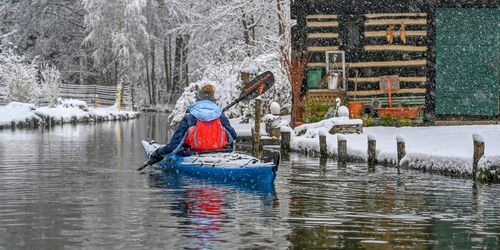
point(75, 186)
point(204, 207)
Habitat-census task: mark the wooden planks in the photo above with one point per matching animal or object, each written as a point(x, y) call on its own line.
point(408, 63)
point(322, 48)
point(377, 15)
point(405, 48)
point(401, 79)
point(322, 16)
point(322, 24)
point(375, 22)
point(396, 33)
point(322, 35)
point(384, 92)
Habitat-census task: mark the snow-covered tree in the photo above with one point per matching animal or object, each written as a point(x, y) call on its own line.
point(50, 82)
point(20, 78)
point(117, 34)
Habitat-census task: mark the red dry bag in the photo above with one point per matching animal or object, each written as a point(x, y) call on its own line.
point(207, 135)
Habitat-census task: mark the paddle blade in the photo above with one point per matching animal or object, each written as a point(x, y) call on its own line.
point(258, 86)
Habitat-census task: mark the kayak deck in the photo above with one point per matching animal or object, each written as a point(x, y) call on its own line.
point(231, 166)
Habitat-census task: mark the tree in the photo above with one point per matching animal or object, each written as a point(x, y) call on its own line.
point(20, 78)
point(50, 82)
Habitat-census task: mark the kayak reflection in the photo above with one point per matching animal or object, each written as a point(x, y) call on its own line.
point(207, 206)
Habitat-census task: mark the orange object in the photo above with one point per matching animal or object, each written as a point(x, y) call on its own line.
point(402, 33)
point(389, 35)
point(355, 109)
point(399, 113)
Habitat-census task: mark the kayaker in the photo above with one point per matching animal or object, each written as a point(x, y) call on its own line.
point(203, 128)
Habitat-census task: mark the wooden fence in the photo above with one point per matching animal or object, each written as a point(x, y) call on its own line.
point(107, 94)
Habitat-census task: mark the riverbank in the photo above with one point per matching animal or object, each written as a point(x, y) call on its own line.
point(444, 149)
point(23, 115)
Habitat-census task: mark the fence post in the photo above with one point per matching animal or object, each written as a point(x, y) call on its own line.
point(323, 147)
point(342, 149)
point(401, 149)
point(119, 101)
point(96, 101)
point(478, 153)
point(372, 149)
point(285, 143)
point(256, 136)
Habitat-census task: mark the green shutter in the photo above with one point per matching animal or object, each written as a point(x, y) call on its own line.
point(467, 61)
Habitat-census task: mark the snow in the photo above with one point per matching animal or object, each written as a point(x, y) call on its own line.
point(16, 112)
point(370, 137)
point(477, 137)
point(20, 112)
point(439, 148)
point(245, 129)
point(286, 129)
point(275, 108)
point(312, 128)
point(400, 138)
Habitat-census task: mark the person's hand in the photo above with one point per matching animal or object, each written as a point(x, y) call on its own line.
point(155, 157)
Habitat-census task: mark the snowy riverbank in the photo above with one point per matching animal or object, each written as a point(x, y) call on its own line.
point(17, 114)
point(447, 149)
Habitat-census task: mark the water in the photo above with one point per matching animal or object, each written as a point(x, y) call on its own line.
point(76, 187)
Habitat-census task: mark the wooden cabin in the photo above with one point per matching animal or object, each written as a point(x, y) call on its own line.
point(441, 57)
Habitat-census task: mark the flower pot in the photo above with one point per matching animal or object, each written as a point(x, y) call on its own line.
point(399, 113)
point(355, 109)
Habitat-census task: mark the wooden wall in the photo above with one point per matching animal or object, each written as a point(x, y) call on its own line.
point(373, 55)
point(413, 61)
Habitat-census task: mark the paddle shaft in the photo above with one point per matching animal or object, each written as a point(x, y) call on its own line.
point(148, 163)
point(235, 102)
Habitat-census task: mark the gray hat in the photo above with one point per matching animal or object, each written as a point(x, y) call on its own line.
point(206, 93)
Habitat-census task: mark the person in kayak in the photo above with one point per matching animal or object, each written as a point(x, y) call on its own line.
point(203, 128)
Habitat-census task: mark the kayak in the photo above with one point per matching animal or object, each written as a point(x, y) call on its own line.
point(224, 166)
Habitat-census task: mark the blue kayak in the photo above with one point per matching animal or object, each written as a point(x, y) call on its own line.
point(224, 166)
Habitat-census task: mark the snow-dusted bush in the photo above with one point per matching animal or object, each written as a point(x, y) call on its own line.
point(50, 83)
point(73, 103)
point(20, 78)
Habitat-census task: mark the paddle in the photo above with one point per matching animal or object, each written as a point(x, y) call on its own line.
point(148, 163)
point(252, 89)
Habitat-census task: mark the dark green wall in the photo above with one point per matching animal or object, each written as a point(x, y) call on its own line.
point(467, 61)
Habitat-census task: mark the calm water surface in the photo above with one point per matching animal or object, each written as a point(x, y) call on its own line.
point(76, 187)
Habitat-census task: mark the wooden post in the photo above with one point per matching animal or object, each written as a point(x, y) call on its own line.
point(372, 149)
point(245, 77)
point(285, 143)
point(256, 137)
point(31, 123)
point(323, 148)
point(342, 148)
point(96, 101)
point(478, 153)
point(401, 149)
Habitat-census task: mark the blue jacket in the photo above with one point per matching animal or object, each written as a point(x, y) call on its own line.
point(203, 110)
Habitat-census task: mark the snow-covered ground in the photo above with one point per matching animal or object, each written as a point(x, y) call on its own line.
point(447, 149)
point(21, 112)
point(439, 148)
